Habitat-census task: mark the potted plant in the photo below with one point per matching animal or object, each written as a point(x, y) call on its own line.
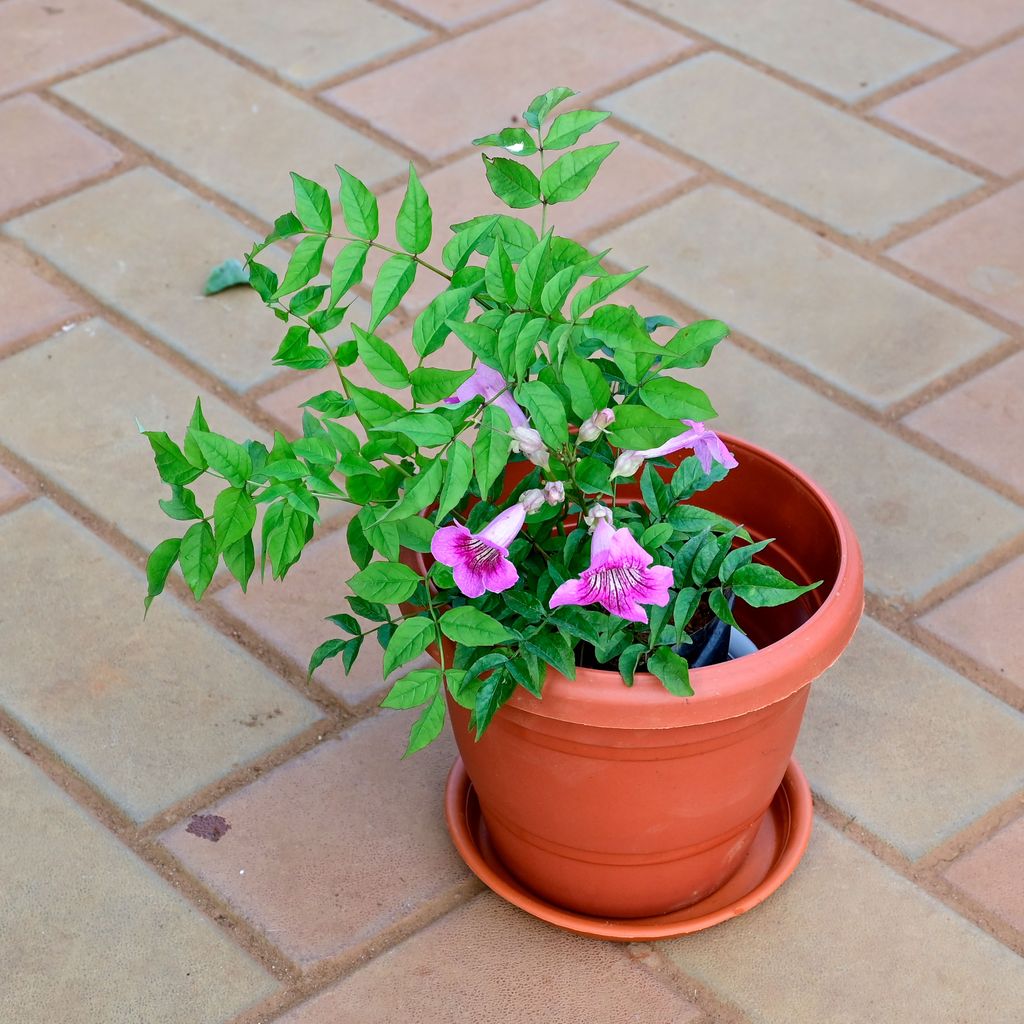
point(625, 670)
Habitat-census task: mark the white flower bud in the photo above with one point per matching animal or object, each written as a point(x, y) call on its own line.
point(627, 464)
point(527, 441)
point(594, 426)
point(554, 492)
point(532, 500)
point(596, 514)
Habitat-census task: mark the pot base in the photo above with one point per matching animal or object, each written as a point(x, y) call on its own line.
point(780, 843)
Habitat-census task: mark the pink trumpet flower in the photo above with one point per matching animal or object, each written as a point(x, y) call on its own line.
point(620, 578)
point(479, 561)
point(706, 445)
point(488, 383)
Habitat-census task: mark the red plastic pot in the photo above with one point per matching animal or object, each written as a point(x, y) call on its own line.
point(629, 802)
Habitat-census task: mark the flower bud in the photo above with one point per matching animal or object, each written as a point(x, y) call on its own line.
point(596, 514)
point(532, 500)
point(595, 425)
point(627, 464)
point(554, 492)
point(528, 442)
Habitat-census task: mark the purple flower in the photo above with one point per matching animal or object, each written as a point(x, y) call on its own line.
point(594, 426)
point(479, 561)
point(706, 445)
point(487, 383)
point(620, 578)
point(528, 441)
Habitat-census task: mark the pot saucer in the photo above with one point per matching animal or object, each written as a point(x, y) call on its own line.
point(777, 848)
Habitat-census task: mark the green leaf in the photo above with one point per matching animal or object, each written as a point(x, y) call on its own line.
point(198, 558)
point(304, 302)
point(431, 385)
point(409, 640)
point(474, 628)
point(347, 271)
point(568, 177)
point(622, 329)
point(740, 557)
point(557, 289)
point(480, 339)
point(513, 183)
point(701, 569)
point(159, 565)
point(328, 649)
point(457, 477)
point(500, 275)
point(431, 327)
point(262, 279)
point(286, 540)
point(467, 239)
point(677, 399)
point(761, 586)
point(599, 289)
point(171, 463)
point(693, 345)
point(686, 603)
point(385, 582)
point(394, 279)
point(566, 129)
point(414, 225)
point(182, 504)
point(491, 448)
point(536, 113)
point(588, 390)
point(638, 428)
point(554, 649)
point(690, 477)
point(296, 352)
point(383, 362)
point(514, 140)
point(234, 515)
point(493, 693)
point(413, 689)
point(227, 457)
point(517, 344)
point(628, 660)
point(358, 206)
point(240, 558)
point(719, 604)
point(427, 727)
point(372, 406)
point(192, 450)
point(419, 494)
point(303, 265)
point(427, 429)
point(312, 204)
point(284, 227)
point(593, 475)
point(672, 670)
point(533, 273)
point(226, 275)
point(546, 412)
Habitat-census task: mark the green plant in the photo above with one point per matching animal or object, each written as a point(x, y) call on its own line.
point(571, 388)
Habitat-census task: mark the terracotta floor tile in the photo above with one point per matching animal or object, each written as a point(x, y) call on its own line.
point(276, 131)
point(966, 21)
point(305, 41)
point(978, 253)
point(836, 45)
point(231, 334)
point(30, 304)
point(984, 621)
point(592, 43)
point(45, 152)
point(452, 13)
point(942, 751)
point(982, 420)
point(336, 845)
point(91, 437)
point(839, 315)
point(563, 978)
point(790, 145)
point(973, 111)
point(148, 712)
point(290, 613)
point(11, 488)
point(39, 40)
point(848, 941)
point(91, 930)
point(991, 874)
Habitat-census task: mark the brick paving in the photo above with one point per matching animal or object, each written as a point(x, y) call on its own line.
point(839, 179)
